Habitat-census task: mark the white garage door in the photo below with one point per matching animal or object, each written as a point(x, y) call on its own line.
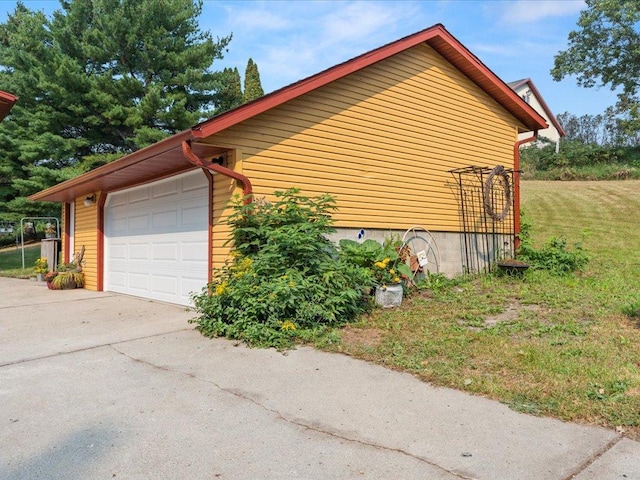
point(156, 239)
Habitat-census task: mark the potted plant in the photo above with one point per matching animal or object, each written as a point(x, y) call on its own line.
point(50, 231)
point(41, 267)
point(48, 277)
point(386, 265)
point(68, 275)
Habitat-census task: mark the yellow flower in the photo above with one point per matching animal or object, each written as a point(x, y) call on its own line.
point(288, 325)
point(221, 288)
point(381, 265)
point(392, 271)
point(386, 261)
point(396, 279)
point(291, 284)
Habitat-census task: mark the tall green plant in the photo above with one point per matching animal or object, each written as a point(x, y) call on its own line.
point(554, 256)
point(285, 280)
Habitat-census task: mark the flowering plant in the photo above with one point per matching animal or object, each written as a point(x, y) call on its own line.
point(41, 265)
point(385, 272)
point(383, 260)
point(49, 276)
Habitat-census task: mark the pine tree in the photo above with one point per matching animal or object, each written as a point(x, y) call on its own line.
point(252, 86)
point(99, 79)
point(229, 90)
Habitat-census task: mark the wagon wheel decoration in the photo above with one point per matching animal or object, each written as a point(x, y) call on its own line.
point(497, 177)
point(420, 252)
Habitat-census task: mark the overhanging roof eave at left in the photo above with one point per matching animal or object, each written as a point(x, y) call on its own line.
point(87, 182)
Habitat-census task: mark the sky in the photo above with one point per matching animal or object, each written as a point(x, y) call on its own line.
point(291, 40)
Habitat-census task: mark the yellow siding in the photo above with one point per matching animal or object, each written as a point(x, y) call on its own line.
point(381, 141)
point(224, 189)
point(86, 233)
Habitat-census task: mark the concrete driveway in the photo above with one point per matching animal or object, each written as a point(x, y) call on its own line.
point(98, 385)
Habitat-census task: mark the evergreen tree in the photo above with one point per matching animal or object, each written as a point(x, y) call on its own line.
point(252, 86)
point(99, 79)
point(229, 90)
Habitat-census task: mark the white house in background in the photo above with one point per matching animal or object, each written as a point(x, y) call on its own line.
point(530, 94)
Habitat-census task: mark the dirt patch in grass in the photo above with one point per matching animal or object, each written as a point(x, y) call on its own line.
point(510, 314)
point(362, 337)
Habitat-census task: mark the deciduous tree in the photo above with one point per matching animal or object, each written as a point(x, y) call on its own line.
point(604, 51)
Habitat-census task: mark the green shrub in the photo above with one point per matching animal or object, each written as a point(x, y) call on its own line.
point(382, 260)
point(285, 281)
point(555, 255)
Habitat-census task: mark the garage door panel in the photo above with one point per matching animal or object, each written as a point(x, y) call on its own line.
point(139, 282)
point(165, 251)
point(156, 242)
point(118, 280)
point(190, 184)
point(191, 216)
point(138, 224)
point(190, 285)
point(138, 251)
point(194, 251)
point(165, 284)
point(136, 195)
point(165, 221)
point(119, 252)
point(164, 189)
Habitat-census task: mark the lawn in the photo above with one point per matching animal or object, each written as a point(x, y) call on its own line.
point(561, 346)
point(11, 261)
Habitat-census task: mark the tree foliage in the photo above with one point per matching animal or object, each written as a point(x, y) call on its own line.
point(601, 129)
point(604, 52)
point(99, 79)
point(229, 90)
point(252, 86)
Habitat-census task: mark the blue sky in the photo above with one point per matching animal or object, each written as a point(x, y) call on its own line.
point(290, 40)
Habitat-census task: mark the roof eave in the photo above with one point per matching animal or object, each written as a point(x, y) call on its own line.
point(60, 192)
point(7, 100)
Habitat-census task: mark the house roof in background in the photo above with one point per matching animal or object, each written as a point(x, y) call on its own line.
point(515, 85)
point(166, 157)
point(6, 103)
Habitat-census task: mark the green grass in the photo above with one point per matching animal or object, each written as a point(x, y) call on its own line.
point(11, 261)
point(562, 346)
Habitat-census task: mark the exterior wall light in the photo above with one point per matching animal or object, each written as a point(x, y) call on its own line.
point(90, 200)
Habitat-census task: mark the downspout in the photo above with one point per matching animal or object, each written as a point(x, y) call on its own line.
point(247, 189)
point(516, 175)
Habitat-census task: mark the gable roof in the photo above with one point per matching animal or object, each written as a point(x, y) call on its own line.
point(527, 81)
point(6, 103)
point(165, 157)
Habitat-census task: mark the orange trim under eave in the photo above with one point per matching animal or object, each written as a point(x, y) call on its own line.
point(516, 178)
point(100, 252)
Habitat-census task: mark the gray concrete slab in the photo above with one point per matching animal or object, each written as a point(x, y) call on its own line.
point(36, 322)
point(110, 386)
point(622, 461)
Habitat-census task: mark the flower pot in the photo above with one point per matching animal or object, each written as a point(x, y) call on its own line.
point(388, 296)
point(40, 277)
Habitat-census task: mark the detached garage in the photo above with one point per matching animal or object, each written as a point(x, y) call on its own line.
point(381, 133)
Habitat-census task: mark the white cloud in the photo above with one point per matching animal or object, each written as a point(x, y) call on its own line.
point(528, 11)
point(494, 49)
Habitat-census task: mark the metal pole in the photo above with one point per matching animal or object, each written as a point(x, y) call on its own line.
point(22, 239)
